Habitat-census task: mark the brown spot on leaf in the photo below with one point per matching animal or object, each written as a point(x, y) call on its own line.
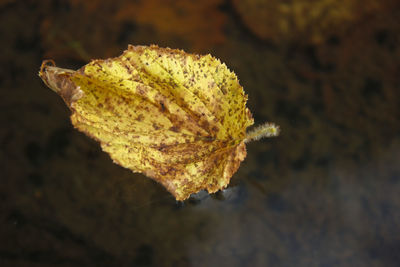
point(174, 129)
point(140, 117)
point(156, 127)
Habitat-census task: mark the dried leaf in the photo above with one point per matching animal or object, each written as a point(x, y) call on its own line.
point(78, 32)
point(200, 23)
point(305, 21)
point(178, 118)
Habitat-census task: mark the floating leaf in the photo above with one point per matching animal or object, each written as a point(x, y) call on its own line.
point(178, 118)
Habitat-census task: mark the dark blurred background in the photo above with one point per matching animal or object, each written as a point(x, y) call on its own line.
point(324, 193)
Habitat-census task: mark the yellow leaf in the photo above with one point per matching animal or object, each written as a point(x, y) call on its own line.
point(178, 118)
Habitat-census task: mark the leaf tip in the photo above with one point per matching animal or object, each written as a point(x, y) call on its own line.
point(59, 80)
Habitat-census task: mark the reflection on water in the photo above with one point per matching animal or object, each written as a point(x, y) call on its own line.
point(324, 193)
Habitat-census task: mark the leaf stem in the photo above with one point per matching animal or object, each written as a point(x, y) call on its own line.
point(265, 130)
